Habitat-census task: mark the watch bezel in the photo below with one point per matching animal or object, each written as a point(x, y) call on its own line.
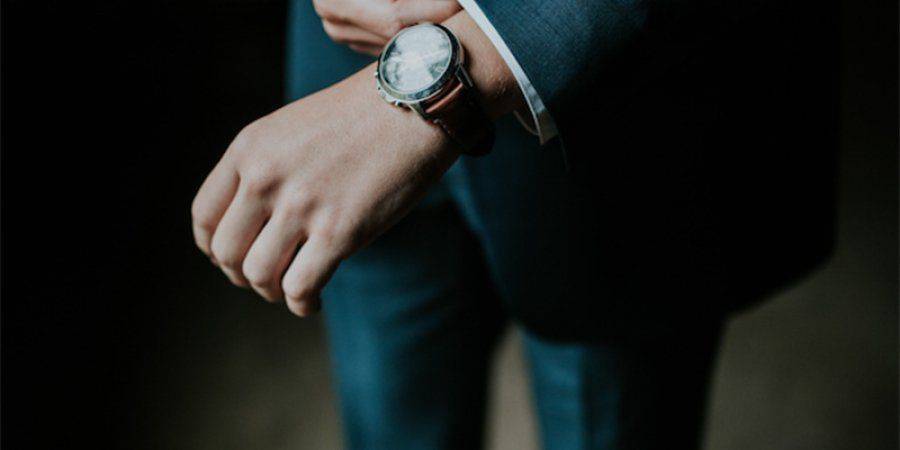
point(432, 90)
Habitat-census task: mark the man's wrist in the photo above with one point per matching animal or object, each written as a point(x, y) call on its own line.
point(499, 93)
point(398, 122)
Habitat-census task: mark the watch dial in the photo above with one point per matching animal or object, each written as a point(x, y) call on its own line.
point(416, 59)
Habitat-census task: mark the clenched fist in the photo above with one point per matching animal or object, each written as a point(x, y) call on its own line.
point(367, 25)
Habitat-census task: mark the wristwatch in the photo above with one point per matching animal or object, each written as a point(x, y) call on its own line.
point(423, 68)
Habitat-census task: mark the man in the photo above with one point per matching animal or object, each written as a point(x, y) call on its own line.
point(682, 169)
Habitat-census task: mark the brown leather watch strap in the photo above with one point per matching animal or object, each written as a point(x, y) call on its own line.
point(463, 119)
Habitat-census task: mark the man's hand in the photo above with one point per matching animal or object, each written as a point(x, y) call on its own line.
point(327, 174)
point(367, 25)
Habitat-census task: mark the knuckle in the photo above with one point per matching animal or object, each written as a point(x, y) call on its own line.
point(257, 274)
point(296, 289)
point(268, 293)
point(201, 216)
point(300, 206)
point(247, 136)
point(331, 233)
point(339, 233)
point(329, 230)
point(299, 309)
point(230, 262)
point(225, 257)
point(259, 180)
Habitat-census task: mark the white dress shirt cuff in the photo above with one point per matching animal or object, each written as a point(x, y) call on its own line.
point(541, 123)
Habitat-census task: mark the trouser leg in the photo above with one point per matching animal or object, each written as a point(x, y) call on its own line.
point(412, 324)
point(636, 396)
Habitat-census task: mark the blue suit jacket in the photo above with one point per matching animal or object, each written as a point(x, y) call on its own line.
point(700, 138)
point(703, 135)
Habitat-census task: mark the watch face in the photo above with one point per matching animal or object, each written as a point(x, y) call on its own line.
point(416, 59)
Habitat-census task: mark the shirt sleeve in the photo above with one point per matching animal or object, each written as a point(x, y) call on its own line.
point(540, 122)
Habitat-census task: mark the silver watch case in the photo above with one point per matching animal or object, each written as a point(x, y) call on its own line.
point(415, 100)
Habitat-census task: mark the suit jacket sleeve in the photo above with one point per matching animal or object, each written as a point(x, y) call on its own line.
point(599, 53)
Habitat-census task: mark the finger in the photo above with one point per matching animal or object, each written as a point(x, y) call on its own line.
point(337, 10)
point(236, 233)
point(411, 12)
point(365, 49)
point(307, 275)
point(210, 203)
point(386, 18)
point(271, 253)
point(346, 33)
point(378, 18)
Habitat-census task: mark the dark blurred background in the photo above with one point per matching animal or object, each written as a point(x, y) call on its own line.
point(116, 333)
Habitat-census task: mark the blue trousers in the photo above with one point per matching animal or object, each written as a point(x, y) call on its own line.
point(413, 319)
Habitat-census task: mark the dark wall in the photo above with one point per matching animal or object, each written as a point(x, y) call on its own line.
point(112, 113)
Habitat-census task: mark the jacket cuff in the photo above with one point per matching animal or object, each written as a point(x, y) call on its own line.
point(540, 122)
